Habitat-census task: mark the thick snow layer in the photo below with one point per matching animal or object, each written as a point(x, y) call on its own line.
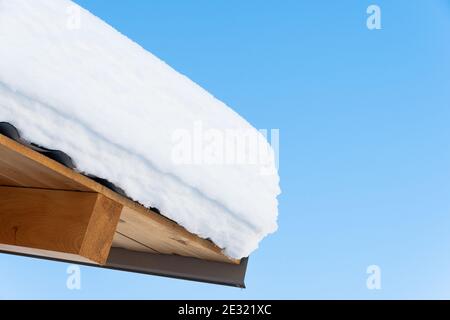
point(75, 84)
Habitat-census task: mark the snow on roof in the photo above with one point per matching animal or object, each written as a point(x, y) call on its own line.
point(79, 86)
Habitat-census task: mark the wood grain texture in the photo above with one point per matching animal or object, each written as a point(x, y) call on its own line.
point(101, 229)
point(124, 242)
point(76, 223)
point(23, 167)
point(176, 239)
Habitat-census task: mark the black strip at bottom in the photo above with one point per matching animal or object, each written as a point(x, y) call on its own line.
point(171, 266)
point(179, 267)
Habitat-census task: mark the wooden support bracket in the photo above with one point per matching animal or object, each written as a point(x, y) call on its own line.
point(77, 226)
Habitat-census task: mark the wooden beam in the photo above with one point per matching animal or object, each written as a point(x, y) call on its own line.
point(68, 225)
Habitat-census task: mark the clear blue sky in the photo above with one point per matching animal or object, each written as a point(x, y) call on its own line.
point(364, 118)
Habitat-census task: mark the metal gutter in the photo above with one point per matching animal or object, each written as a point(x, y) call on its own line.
point(172, 266)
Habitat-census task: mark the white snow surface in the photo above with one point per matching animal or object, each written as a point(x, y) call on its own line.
point(114, 107)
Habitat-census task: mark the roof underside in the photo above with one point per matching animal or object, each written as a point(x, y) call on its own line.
point(144, 241)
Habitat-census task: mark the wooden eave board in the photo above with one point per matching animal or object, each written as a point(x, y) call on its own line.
point(139, 228)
